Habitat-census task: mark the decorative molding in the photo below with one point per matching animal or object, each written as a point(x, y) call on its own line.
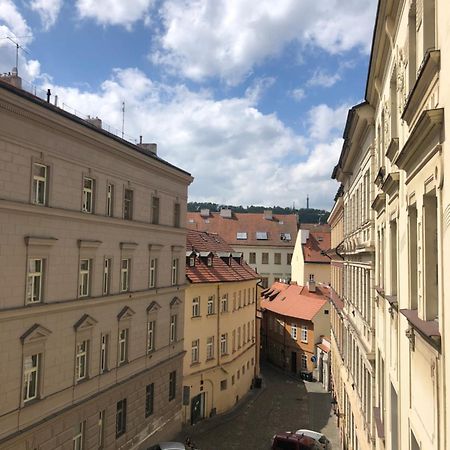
point(87, 243)
point(175, 302)
point(155, 247)
point(392, 149)
point(153, 307)
point(86, 321)
point(391, 184)
point(125, 313)
point(42, 241)
point(379, 203)
point(35, 333)
point(177, 248)
point(128, 245)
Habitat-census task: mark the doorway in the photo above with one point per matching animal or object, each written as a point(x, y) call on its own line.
point(197, 408)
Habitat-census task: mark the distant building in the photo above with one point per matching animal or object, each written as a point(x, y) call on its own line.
point(266, 240)
point(295, 318)
point(310, 261)
point(220, 336)
point(92, 288)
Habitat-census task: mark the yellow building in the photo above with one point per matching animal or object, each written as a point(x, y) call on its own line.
point(219, 334)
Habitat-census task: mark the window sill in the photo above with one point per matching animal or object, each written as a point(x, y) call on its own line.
point(210, 314)
point(82, 380)
point(196, 317)
point(30, 402)
point(195, 364)
point(210, 359)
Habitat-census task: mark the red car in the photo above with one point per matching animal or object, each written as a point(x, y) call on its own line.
point(291, 441)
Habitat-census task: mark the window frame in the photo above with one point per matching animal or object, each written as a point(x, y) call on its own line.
point(196, 307)
point(211, 305)
point(177, 215)
point(32, 277)
point(39, 180)
point(110, 200)
point(264, 258)
point(209, 347)
point(224, 344)
point(153, 272)
point(87, 204)
point(294, 334)
point(173, 328)
point(174, 274)
point(195, 351)
point(81, 360)
point(104, 338)
point(277, 258)
point(121, 417)
point(155, 209)
point(151, 330)
point(78, 439)
point(122, 340)
point(125, 275)
point(128, 204)
point(149, 399)
point(172, 385)
point(106, 288)
point(304, 334)
point(30, 374)
point(252, 258)
point(224, 303)
point(85, 279)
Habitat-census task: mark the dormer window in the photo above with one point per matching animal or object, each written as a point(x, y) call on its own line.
point(191, 261)
point(209, 261)
point(190, 258)
point(261, 235)
point(285, 236)
point(241, 236)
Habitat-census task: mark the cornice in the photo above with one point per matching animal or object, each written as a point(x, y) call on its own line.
point(379, 203)
point(392, 149)
point(391, 184)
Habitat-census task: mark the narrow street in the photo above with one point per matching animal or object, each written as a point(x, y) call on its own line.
point(283, 404)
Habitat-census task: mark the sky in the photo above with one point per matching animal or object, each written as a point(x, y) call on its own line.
point(249, 96)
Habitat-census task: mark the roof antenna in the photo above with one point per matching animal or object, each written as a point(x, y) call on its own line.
point(17, 50)
point(123, 118)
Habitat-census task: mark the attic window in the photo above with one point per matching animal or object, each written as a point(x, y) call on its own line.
point(191, 261)
point(241, 236)
point(261, 235)
point(191, 221)
point(209, 261)
point(285, 236)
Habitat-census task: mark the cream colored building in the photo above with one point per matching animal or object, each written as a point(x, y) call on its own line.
point(353, 319)
point(220, 339)
point(92, 250)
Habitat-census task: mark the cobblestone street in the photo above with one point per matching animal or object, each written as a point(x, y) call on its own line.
point(282, 404)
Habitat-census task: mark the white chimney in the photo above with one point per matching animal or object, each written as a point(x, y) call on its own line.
point(311, 286)
point(12, 78)
point(268, 214)
point(148, 148)
point(204, 212)
point(92, 120)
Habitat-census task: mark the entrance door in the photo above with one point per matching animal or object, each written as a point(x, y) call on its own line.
point(294, 362)
point(197, 408)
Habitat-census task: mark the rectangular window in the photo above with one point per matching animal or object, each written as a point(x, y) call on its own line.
point(153, 272)
point(128, 204)
point(172, 385)
point(224, 303)
point(252, 258)
point(109, 199)
point(31, 377)
point(277, 258)
point(239, 337)
point(123, 346)
point(195, 351)
point(121, 417)
point(265, 258)
point(88, 195)
point(174, 271)
point(81, 360)
point(224, 344)
point(223, 385)
point(176, 215)
point(106, 276)
point(304, 334)
point(294, 331)
point(173, 328)
point(311, 277)
point(155, 210)
point(196, 307)
point(40, 182)
point(241, 235)
point(210, 347)
point(289, 258)
point(211, 305)
point(34, 280)
point(125, 275)
point(85, 276)
point(103, 353)
point(304, 362)
point(151, 329)
point(149, 399)
point(101, 428)
point(78, 439)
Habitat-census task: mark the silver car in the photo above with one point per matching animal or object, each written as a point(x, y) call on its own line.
point(168, 446)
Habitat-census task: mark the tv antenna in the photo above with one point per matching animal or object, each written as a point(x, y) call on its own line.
point(18, 46)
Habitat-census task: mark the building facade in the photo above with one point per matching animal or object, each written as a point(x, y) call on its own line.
point(220, 327)
point(353, 314)
point(266, 240)
point(92, 287)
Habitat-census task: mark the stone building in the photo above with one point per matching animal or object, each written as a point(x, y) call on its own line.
point(220, 337)
point(92, 249)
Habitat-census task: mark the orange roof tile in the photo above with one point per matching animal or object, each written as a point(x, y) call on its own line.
point(295, 301)
point(315, 247)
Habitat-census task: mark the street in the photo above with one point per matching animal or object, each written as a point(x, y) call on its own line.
point(283, 404)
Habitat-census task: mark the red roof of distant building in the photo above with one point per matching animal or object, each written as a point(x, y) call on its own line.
point(242, 228)
point(223, 268)
point(315, 247)
point(293, 300)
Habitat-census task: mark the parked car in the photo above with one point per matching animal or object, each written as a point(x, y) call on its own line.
point(290, 441)
point(168, 446)
point(320, 438)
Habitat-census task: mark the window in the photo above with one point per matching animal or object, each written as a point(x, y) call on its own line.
point(223, 385)
point(210, 347)
point(224, 303)
point(289, 258)
point(277, 258)
point(85, 275)
point(101, 428)
point(261, 235)
point(128, 204)
point(81, 360)
point(252, 258)
point(304, 362)
point(240, 299)
point(239, 337)
point(304, 334)
point(174, 271)
point(109, 199)
point(88, 195)
point(103, 353)
point(241, 236)
point(125, 275)
point(173, 328)
point(294, 331)
point(172, 385)
point(31, 377)
point(155, 210)
point(40, 180)
point(265, 258)
point(196, 307)
point(151, 328)
point(285, 236)
point(78, 439)
point(224, 344)
point(248, 332)
point(176, 215)
point(153, 271)
point(123, 346)
point(149, 399)
point(121, 417)
point(311, 277)
point(211, 304)
point(265, 282)
point(195, 351)
point(106, 276)
point(34, 280)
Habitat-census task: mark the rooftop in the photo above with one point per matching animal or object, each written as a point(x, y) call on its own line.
point(317, 243)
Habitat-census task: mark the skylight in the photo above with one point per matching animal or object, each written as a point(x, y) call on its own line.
point(241, 236)
point(285, 236)
point(261, 235)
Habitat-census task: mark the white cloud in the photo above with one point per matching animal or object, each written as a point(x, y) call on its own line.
point(321, 78)
point(48, 11)
point(115, 12)
point(298, 94)
point(237, 154)
point(227, 38)
point(325, 122)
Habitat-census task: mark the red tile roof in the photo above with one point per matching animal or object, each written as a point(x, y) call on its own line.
point(317, 243)
point(294, 301)
point(222, 269)
point(248, 223)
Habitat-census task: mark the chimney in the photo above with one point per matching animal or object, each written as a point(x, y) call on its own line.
point(304, 234)
point(94, 121)
point(226, 213)
point(148, 148)
point(268, 214)
point(311, 286)
point(12, 78)
point(204, 212)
